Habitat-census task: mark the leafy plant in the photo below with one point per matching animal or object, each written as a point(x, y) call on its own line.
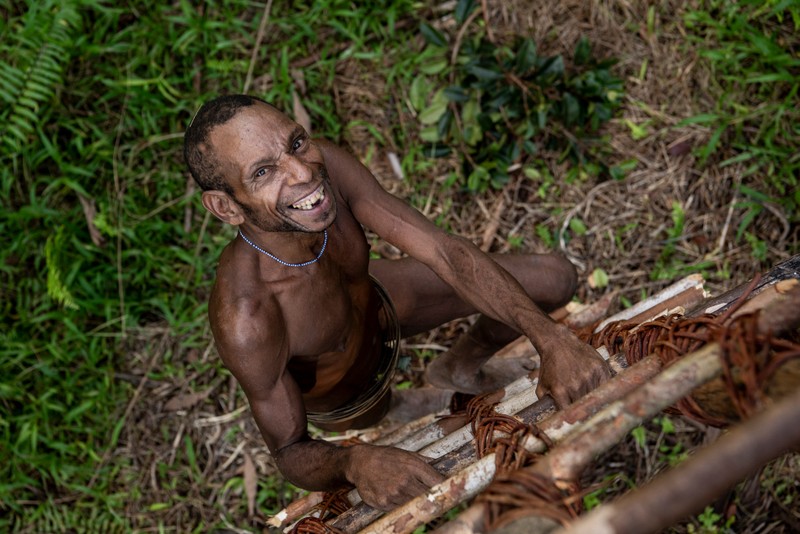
point(503, 103)
point(750, 47)
point(38, 49)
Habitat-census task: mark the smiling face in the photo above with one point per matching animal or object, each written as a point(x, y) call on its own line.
point(276, 172)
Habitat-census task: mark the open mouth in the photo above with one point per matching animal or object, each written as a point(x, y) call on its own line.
point(311, 201)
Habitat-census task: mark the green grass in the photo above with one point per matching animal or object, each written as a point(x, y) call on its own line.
point(751, 49)
point(95, 100)
point(104, 235)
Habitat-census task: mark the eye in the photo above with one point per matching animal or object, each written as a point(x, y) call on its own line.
point(299, 143)
point(260, 172)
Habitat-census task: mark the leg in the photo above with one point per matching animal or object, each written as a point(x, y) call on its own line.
point(424, 302)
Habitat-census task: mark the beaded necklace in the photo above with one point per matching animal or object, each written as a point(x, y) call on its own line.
point(287, 264)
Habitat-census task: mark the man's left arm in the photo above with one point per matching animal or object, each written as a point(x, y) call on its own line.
point(570, 368)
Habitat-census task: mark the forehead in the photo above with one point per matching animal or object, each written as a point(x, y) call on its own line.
point(255, 131)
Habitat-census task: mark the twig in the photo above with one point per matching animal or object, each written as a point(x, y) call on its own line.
point(262, 26)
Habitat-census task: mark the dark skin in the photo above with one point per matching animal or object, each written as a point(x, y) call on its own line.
point(299, 338)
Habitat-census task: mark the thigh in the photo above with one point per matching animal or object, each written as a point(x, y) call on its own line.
point(424, 301)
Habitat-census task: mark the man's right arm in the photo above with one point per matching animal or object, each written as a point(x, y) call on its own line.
point(253, 346)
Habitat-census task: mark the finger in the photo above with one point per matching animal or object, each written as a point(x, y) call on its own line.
point(431, 477)
point(412, 489)
point(561, 397)
point(541, 390)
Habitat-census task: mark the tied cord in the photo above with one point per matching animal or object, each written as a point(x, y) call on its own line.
point(286, 263)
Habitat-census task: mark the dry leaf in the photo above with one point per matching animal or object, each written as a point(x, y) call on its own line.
point(250, 484)
point(299, 80)
point(90, 212)
point(184, 402)
point(301, 116)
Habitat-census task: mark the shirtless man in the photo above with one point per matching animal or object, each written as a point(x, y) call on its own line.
point(304, 319)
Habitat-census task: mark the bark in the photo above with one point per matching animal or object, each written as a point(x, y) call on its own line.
point(780, 301)
point(783, 271)
point(511, 397)
point(687, 489)
point(678, 297)
point(614, 422)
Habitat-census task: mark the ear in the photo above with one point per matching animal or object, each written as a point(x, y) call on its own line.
point(223, 207)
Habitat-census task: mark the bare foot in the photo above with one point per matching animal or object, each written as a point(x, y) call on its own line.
point(411, 404)
point(445, 372)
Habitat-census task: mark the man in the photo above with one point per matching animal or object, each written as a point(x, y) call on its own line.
point(308, 324)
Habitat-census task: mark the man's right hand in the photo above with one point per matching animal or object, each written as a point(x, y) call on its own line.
point(387, 477)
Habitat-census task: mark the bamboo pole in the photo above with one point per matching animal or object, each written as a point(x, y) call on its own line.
point(511, 397)
point(783, 271)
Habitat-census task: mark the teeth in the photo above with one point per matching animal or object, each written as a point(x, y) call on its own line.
point(309, 202)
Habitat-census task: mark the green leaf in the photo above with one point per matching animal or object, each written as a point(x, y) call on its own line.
point(430, 134)
point(485, 74)
point(598, 279)
point(572, 109)
point(640, 436)
point(577, 226)
point(477, 179)
point(583, 51)
point(526, 56)
point(432, 35)
point(552, 68)
point(418, 92)
point(432, 113)
point(463, 9)
point(434, 67)
point(703, 118)
point(712, 143)
point(638, 131)
point(455, 93)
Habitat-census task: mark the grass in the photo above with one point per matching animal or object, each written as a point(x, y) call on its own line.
point(108, 256)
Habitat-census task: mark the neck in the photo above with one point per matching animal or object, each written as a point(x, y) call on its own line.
point(292, 249)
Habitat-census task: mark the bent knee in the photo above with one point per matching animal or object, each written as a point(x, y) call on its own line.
point(565, 280)
point(552, 281)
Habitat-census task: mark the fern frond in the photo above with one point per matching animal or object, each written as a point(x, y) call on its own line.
point(56, 287)
point(34, 58)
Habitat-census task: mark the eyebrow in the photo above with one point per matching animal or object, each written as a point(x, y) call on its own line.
point(297, 132)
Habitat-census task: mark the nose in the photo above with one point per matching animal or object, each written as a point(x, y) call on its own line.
point(296, 170)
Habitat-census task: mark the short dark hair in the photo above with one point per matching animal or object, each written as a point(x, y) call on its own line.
point(202, 161)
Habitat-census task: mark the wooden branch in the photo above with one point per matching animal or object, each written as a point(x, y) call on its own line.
point(688, 488)
point(466, 483)
point(679, 296)
point(780, 301)
point(418, 434)
point(783, 271)
point(614, 422)
point(678, 380)
point(446, 435)
point(463, 435)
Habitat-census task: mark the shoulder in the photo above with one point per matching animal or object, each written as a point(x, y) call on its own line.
point(246, 319)
point(343, 167)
